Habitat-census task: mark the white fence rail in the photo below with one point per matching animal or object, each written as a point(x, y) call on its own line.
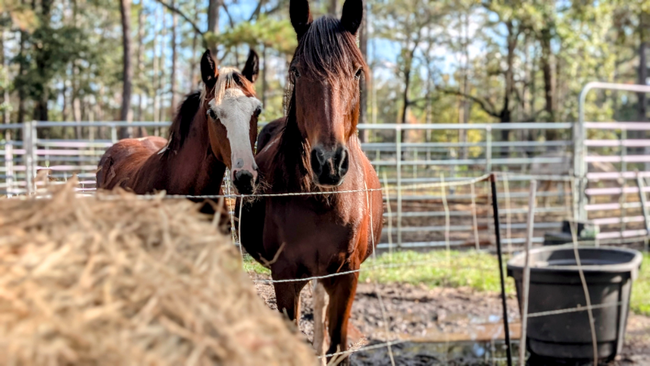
point(415, 154)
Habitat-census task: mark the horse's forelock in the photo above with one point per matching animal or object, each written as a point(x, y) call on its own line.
point(328, 50)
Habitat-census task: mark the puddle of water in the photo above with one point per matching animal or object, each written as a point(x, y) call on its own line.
point(473, 333)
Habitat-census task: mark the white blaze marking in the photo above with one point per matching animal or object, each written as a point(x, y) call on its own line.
point(234, 112)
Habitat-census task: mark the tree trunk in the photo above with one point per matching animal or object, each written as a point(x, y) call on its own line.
point(195, 40)
point(3, 97)
point(41, 109)
point(161, 81)
point(127, 72)
point(464, 107)
point(506, 113)
point(172, 107)
point(77, 114)
point(264, 86)
point(213, 24)
point(6, 98)
point(41, 58)
point(66, 102)
point(549, 87)
point(21, 71)
point(76, 103)
point(363, 45)
point(140, 58)
point(533, 83)
point(331, 9)
point(642, 115)
point(155, 79)
point(405, 95)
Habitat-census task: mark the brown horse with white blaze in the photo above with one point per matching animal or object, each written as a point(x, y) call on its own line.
point(213, 129)
point(316, 149)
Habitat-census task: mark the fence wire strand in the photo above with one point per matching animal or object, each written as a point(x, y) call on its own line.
point(443, 185)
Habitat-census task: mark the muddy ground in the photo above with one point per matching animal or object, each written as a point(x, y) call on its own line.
point(440, 326)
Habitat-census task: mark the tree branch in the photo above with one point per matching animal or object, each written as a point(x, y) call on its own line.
point(257, 11)
point(486, 105)
point(225, 8)
point(183, 15)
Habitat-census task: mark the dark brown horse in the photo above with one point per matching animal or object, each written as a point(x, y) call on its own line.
point(213, 129)
point(316, 149)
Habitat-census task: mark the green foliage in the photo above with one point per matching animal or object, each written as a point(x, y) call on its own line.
point(640, 302)
point(251, 266)
point(74, 50)
point(270, 32)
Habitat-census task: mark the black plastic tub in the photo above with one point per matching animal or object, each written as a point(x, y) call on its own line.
point(555, 285)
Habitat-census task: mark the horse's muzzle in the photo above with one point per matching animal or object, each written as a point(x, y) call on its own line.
point(244, 181)
point(329, 165)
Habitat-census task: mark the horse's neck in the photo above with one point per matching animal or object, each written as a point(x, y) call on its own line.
point(289, 171)
point(194, 168)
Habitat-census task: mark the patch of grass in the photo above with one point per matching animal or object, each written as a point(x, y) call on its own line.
point(437, 268)
point(250, 265)
point(459, 269)
point(471, 269)
point(640, 302)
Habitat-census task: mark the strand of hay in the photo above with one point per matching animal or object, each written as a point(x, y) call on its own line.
point(85, 281)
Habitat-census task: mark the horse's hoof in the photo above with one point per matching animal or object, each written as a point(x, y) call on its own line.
point(355, 337)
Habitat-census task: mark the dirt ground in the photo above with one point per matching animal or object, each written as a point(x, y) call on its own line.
point(440, 326)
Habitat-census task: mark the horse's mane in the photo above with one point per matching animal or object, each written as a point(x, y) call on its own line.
point(229, 77)
point(180, 127)
point(328, 51)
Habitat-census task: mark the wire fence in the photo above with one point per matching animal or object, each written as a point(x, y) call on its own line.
point(442, 187)
point(442, 207)
point(404, 155)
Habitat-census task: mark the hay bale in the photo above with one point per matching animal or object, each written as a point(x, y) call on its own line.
point(86, 281)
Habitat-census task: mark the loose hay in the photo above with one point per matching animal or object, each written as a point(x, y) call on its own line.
point(85, 281)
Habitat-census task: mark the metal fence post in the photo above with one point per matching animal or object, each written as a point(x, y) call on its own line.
point(622, 197)
point(9, 163)
point(398, 155)
point(113, 133)
point(488, 149)
point(642, 198)
point(28, 157)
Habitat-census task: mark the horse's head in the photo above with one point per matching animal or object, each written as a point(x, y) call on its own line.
point(232, 111)
point(326, 71)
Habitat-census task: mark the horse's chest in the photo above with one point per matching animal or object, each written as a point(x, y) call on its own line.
point(319, 230)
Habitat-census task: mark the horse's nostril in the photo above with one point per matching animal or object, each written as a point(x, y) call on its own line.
point(244, 181)
point(343, 161)
point(317, 160)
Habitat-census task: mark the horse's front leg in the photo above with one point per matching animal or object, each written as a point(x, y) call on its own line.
point(287, 296)
point(341, 290)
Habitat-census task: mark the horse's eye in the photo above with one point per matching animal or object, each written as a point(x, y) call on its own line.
point(211, 114)
point(258, 111)
point(358, 74)
point(295, 72)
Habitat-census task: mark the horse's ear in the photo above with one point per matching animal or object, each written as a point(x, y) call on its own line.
point(300, 16)
point(252, 67)
point(208, 70)
point(352, 15)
